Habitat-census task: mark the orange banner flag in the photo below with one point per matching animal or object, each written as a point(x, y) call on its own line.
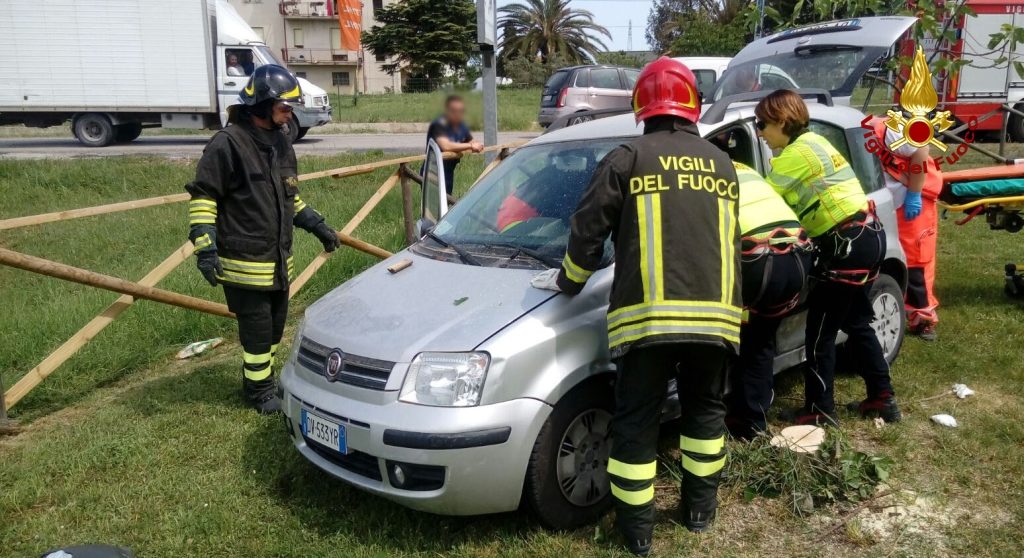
point(350, 19)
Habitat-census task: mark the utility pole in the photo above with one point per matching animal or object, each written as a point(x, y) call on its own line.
point(629, 37)
point(486, 33)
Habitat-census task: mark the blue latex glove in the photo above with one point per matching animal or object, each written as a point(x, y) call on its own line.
point(912, 205)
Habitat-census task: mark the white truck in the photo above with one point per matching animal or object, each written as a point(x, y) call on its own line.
point(114, 67)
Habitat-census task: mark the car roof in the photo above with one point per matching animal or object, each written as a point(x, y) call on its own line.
point(624, 125)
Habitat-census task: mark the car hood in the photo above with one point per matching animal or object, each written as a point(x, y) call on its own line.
point(430, 306)
point(310, 88)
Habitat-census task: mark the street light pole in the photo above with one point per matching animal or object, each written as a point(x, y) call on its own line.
point(486, 31)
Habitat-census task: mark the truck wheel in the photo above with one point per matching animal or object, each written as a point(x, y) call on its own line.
point(293, 130)
point(94, 130)
point(890, 323)
point(1015, 127)
point(302, 133)
point(567, 480)
point(128, 132)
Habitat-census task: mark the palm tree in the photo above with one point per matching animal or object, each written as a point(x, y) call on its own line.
point(543, 29)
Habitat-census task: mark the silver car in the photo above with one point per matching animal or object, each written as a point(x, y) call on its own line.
point(454, 387)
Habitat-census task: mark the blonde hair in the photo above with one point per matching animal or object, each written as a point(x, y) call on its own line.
point(785, 108)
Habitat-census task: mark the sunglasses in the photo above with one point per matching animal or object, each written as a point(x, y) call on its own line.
point(761, 124)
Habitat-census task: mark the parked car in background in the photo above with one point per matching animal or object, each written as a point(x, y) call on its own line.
point(584, 88)
point(580, 89)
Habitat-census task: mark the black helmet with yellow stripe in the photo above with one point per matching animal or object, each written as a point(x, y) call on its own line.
point(270, 82)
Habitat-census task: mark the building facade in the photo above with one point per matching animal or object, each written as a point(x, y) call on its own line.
point(306, 36)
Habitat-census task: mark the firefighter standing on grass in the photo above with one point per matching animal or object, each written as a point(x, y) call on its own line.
point(669, 201)
point(241, 216)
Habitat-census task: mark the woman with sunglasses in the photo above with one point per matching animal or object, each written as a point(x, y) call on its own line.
point(821, 187)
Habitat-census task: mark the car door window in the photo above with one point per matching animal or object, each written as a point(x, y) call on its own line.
point(435, 200)
point(631, 76)
point(705, 82)
point(605, 78)
point(851, 144)
point(582, 78)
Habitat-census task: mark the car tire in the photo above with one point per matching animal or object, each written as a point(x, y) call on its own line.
point(302, 133)
point(890, 322)
point(567, 481)
point(94, 130)
point(1015, 126)
point(128, 132)
point(293, 129)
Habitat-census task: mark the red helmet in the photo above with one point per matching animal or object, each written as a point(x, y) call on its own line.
point(666, 87)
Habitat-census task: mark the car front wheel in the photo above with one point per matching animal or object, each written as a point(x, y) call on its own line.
point(890, 322)
point(567, 480)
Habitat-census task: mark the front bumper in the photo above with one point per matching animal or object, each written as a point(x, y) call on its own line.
point(481, 453)
point(310, 117)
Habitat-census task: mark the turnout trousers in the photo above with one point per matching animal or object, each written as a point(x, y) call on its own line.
point(771, 282)
point(261, 317)
point(643, 373)
point(918, 238)
point(835, 304)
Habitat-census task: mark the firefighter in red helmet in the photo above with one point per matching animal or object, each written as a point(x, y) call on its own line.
point(669, 200)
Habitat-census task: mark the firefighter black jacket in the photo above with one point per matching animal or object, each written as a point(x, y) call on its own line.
point(669, 200)
point(245, 194)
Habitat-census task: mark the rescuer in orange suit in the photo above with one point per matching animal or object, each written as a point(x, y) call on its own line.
point(918, 224)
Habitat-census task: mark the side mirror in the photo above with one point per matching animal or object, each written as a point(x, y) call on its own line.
point(423, 226)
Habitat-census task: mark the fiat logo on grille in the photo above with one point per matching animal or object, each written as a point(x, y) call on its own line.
point(335, 362)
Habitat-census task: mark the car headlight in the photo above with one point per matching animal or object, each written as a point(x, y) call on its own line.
point(446, 379)
point(296, 342)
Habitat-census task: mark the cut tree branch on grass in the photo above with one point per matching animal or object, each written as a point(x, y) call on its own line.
point(856, 510)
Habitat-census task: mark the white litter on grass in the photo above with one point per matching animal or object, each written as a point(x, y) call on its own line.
point(879, 423)
point(962, 391)
point(801, 439)
point(198, 347)
point(945, 420)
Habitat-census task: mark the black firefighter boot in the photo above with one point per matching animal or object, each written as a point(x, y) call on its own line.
point(262, 395)
point(881, 405)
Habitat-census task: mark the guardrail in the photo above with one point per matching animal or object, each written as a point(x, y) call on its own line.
point(145, 288)
point(318, 56)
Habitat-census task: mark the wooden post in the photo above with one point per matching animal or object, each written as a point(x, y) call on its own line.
point(89, 211)
point(7, 426)
point(36, 376)
point(408, 211)
point(354, 222)
point(115, 284)
point(364, 246)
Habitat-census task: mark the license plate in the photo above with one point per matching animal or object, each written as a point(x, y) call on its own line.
point(324, 432)
point(548, 97)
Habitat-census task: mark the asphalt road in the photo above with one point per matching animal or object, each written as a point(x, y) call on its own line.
point(192, 146)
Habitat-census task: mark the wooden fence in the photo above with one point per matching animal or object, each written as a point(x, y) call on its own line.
point(145, 288)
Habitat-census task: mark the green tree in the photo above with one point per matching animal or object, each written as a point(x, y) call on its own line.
point(426, 37)
point(703, 36)
point(541, 29)
point(663, 22)
point(620, 58)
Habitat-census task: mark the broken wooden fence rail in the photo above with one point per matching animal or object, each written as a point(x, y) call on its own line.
point(145, 288)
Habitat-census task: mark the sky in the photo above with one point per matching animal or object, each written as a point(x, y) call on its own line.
point(616, 15)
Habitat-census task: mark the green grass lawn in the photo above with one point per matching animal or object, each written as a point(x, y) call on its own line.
point(126, 445)
point(517, 108)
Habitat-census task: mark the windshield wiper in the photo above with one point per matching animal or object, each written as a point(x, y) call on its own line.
point(542, 258)
point(465, 256)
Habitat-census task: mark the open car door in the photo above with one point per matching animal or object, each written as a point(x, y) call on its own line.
point(435, 190)
point(832, 55)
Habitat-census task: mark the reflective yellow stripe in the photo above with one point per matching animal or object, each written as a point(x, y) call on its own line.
point(727, 228)
point(293, 94)
point(202, 242)
point(669, 305)
point(202, 220)
point(700, 468)
point(255, 268)
point(273, 349)
point(644, 230)
point(656, 249)
point(658, 311)
point(232, 277)
point(250, 358)
point(729, 332)
point(201, 202)
point(299, 204)
point(629, 471)
point(706, 447)
point(634, 497)
point(259, 375)
point(575, 273)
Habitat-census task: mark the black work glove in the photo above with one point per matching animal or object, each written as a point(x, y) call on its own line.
point(327, 236)
point(209, 265)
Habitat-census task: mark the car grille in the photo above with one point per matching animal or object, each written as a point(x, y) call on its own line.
point(362, 464)
point(358, 371)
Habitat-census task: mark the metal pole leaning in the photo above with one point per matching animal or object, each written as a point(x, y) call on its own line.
point(91, 278)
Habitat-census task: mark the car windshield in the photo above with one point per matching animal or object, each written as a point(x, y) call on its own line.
point(836, 69)
point(526, 201)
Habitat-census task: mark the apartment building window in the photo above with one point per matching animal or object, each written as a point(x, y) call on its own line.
point(261, 33)
point(300, 74)
point(377, 5)
point(381, 58)
point(298, 37)
point(335, 38)
point(340, 78)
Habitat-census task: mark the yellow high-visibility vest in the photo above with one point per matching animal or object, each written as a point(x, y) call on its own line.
point(762, 210)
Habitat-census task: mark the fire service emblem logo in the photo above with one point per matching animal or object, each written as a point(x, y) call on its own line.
point(335, 362)
point(918, 99)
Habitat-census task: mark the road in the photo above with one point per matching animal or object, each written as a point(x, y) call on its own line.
point(192, 146)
